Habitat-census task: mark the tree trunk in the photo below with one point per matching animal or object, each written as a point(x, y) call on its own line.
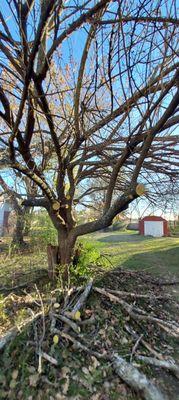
point(66, 244)
point(28, 220)
point(61, 256)
point(18, 234)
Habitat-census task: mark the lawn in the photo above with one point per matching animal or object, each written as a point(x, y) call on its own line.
point(124, 249)
point(79, 375)
point(131, 251)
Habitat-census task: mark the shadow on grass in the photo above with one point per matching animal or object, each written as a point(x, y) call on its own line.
point(161, 262)
point(124, 238)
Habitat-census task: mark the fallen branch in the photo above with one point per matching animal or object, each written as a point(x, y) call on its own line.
point(7, 337)
point(87, 321)
point(140, 317)
point(127, 372)
point(166, 364)
point(12, 333)
point(68, 321)
point(135, 346)
point(168, 330)
point(135, 379)
point(143, 341)
point(159, 283)
point(82, 299)
point(48, 358)
point(137, 296)
point(6, 289)
point(79, 345)
point(67, 297)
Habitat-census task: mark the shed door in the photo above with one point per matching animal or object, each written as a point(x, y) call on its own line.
point(153, 228)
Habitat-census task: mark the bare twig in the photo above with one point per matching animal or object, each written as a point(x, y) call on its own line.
point(48, 358)
point(137, 295)
point(135, 346)
point(144, 342)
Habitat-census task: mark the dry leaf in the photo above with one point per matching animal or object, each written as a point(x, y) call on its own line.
point(55, 339)
point(140, 189)
point(31, 369)
point(85, 370)
point(15, 374)
point(95, 362)
point(124, 340)
point(56, 305)
point(65, 385)
point(12, 384)
point(33, 379)
point(60, 396)
point(65, 371)
point(77, 315)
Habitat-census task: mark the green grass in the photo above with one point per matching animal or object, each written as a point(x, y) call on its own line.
point(132, 251)
point(126, 249)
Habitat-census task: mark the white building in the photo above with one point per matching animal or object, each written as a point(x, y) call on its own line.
point(5, 209)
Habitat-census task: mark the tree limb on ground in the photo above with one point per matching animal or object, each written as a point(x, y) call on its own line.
point(134, 315)
point(166, 364)
point(12, 333)
point(127, 372)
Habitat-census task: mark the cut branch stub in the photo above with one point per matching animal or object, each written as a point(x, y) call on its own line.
point(56, 206)
point(140, 189)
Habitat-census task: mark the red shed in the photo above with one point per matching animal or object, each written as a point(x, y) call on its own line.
point(153, 226)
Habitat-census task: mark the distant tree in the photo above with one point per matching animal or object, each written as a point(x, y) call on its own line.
point(89, 90)
point(22, 213)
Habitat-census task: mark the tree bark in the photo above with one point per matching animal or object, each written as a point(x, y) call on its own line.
point(18, 234)
point(66, 244)
point(27, 222)
point(61, 256)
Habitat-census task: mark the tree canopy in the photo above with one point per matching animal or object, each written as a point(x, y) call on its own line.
point(89, 93)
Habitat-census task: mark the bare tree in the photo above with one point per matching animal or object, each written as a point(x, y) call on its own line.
point(89, 90)
point(15, 193)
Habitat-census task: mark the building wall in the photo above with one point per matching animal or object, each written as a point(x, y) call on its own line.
point(153, 218)
point(5, 209)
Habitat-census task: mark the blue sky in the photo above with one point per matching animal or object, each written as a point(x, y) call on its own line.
point(77, 42)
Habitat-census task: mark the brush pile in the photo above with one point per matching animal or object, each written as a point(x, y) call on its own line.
point(99, 341)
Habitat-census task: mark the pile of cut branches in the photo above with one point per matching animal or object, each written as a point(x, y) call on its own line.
point(127, 332)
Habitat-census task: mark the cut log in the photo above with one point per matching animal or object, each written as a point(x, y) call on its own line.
point(136, 380)
point(166, 364)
